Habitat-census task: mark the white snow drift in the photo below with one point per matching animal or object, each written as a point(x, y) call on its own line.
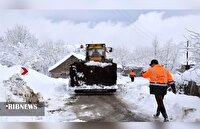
point(38, 82)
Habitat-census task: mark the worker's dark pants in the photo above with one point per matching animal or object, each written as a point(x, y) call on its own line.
point(132, 79)
point(161, 107)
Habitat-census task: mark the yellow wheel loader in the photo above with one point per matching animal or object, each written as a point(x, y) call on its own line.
point(96, 73)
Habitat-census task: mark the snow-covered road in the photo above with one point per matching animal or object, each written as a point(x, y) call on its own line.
point(132, 101)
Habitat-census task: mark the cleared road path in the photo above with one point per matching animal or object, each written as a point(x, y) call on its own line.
point(104, 108)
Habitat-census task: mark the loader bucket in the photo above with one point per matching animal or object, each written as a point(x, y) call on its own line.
point(82, 74)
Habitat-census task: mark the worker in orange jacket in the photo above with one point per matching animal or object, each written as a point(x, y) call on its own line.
point(132, 75)
point(160, 78)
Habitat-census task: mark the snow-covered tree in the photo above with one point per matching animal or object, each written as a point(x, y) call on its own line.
point(51, 52)
point(19, 46)
point(142, 56)
point(121, 56)
point(166, 54)
point(195, 46)
point(20, 34)
point(169, 55)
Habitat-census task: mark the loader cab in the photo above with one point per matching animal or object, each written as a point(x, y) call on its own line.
point(95, 52)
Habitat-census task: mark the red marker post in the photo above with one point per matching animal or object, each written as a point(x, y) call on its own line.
point(24, 71)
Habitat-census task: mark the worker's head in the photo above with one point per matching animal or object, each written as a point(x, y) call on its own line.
point(153, 62)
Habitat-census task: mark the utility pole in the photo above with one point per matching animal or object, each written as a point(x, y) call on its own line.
point(187, 56)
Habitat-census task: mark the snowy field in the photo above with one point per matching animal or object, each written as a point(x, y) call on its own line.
point(54, 92)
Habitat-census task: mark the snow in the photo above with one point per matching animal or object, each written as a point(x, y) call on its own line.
point(38, 82)
point(179, 107)
point(177, 77)
point(52, 90)
point(92, 87)
point(100, 64)
point(5, 74)
point(192, 75)
point(45, 85)
point(79, 56)
point(119, 66)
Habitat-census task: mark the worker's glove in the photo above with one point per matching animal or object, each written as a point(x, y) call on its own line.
point(141, 74)
point(173, 87)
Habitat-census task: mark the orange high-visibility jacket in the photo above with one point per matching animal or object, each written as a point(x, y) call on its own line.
point(132, 73)
point(158, 74)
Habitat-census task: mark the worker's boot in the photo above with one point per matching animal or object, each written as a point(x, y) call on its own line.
point(156, 116)
point(166, 119)
point(164, 113)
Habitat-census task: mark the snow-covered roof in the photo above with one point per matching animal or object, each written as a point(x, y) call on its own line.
point(79, 56)
point(192, 75)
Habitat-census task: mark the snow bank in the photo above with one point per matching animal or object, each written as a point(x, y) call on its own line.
point(18, 91)
point(177, 78)
point(192, 75)
point(8, 72)
point(100, 64)
point(45, 85)
point(179, 107)
point(53, 91)
point(38, 82)
point(5, 74)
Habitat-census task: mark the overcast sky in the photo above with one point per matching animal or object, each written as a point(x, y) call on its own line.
point(116, 27)
point(124, 23)
point(101, 4)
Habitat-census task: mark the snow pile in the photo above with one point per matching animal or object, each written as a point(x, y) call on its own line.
point(8, 72)
point(18, 91)
point(192, 75)
point(177, 77)
point(47, 86)
point(100, 64)
point(179, 107)
point(33, 87)
point(78, 56)
point(38, 82)
point(5, 74)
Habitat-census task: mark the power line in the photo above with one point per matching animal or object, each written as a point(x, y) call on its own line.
point(133, 27)
point(144, 29)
